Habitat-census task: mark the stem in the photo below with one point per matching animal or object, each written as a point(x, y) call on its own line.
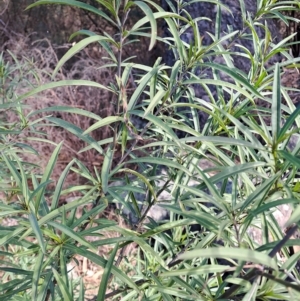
point(121, 88)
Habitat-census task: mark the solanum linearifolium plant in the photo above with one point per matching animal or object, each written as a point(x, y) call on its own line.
point(227, 176)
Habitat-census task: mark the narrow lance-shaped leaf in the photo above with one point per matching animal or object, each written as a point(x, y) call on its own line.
point(295, 161)
point(63, 267)
point(141, 87)
point(62, 83)
point(77, 132)
point(126, 74)
point(232, 253)
point(174, 74)
point(102, 262)
point(160, 161)
point(155, 101)
point(47, 174)
point(157, 121)
point(106, 274)
point(37, 231)
point(62, 285)
point(276, 105)
point(258, 194)
point(13, 170)
point(148, 12)
point(75, 49)
point(124, 138)
point(288, 124)
point(205, 269)
point(143, 178)
point(24, 187)
point(66, 109)
point(78, 4)
point(13, 234)
point(218, 83)
point(105, 121)
point(72, 234)
point(81, 291)
point(59, 185)
point(44, 287)
point(75, 204)
point(235, 75)
point(105, 171)
point(37, 274)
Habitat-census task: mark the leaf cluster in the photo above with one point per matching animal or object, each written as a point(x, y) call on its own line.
point(218, 182)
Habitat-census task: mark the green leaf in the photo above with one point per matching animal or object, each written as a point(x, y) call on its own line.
point(37, 231)
point(220, 83)
point(13, 170)
point(202, 218)
point(265, 207)
point(276, 104)
point(62, 286)
point(155, 101)
point(45, 285)
point(38, 188)
point(75, 49)
point(106, 274)
point(13, 234)
point(204, 269)
point(102, 262)
point(232, 253)
point(167, 226)
point(74, 3)
point(149, 250)
point(47, 173)
point(81, 291)
point(63, 267)
point(161, 161)
point(259, 194)
point(179, 293)
point(37, 274)
point(77, 132)
point(288, 124)
point(16, 271)
point(235, 75)
point(295, 161)
point(105, 170)
point(105, 121)
point(155, 120)
point(62, 83)
point(141, 87)
point(24, 187)
point(72, 234)
point(76, 203)
point(104, 44)
point(59, 186)
point(148, 12)
point(210, 186)
point(174, 75)
point(86, 217)
point(143, 178)
point(295, 217)
point(124, 138)
point(71, 110)
point(126, 74)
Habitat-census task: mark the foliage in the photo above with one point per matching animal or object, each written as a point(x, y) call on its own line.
point(253, 170)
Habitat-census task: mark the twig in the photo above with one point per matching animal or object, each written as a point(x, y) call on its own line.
point(253, 273)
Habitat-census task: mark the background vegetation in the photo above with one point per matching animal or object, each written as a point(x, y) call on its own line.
point(196, 204)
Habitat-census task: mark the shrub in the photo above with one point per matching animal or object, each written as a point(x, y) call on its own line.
point(226, 178)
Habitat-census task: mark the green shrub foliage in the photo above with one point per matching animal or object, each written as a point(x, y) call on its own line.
point(201, 200)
